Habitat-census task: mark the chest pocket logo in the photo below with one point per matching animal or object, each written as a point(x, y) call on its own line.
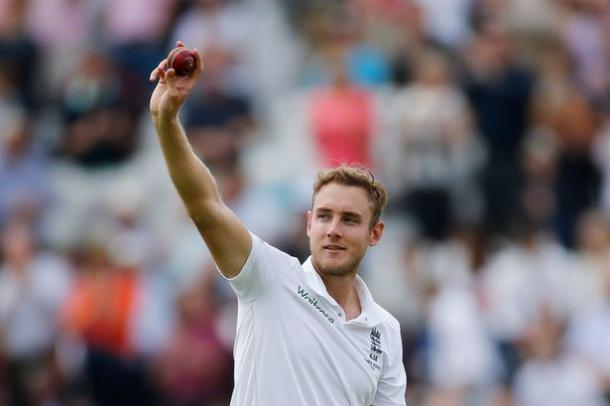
point(375, 345)
point(376, 350)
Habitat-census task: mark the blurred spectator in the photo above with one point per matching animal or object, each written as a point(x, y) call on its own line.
point(62, 30)
point(531, 24)
point(337, 39)
point(133, 245)
point(562, 109)
point(554, 375)
point(33, 283)
point(341, 121)
point(436, 156)
point(585, 31)
point(100, 311)
point(591, 262)
point(518, 279)
point(499, 92)
point(443, 279)
point(101, 318)
point(588, 336)
point(100, 129)
point(389, 24)
point(195, 368)
point(120, 310)
point(409, 40)
point(447, 22)
point(24, 182)
point(19, 55)
point(462, 358)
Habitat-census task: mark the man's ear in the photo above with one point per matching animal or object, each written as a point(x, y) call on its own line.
point(308, 215)
point(376, 233)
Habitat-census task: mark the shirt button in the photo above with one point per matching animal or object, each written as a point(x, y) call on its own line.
point(339, 314)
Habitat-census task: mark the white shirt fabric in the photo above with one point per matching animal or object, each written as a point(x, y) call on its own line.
point(294, 347)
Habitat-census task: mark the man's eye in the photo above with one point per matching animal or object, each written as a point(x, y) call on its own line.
point(323, 216)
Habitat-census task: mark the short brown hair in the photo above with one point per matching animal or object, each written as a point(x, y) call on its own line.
point(354, 175)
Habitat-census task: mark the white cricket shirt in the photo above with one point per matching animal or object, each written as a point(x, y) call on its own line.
point(294, 348)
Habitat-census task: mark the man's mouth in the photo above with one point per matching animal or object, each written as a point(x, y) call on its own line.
point(333, 247)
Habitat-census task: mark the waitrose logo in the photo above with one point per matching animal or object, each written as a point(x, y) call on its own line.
point(314, 302)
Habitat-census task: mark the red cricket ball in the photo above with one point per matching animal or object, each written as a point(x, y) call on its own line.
point(182, 60)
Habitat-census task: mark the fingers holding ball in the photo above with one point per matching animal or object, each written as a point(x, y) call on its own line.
point(183, 60)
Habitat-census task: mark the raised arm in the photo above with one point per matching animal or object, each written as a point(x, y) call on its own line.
point(223, 232)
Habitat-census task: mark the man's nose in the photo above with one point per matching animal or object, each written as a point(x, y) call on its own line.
point(334, 229)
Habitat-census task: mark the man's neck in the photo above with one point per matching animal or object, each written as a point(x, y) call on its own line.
point(343, 290)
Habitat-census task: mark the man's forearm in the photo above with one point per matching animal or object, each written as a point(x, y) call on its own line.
point(225, 235)
point(190, 176)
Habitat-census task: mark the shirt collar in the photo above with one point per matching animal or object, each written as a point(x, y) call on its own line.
point(370, 314)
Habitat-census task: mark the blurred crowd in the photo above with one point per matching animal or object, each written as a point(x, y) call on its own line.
point(488, 120)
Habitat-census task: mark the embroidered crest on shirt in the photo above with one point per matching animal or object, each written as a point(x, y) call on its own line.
point(376, 350)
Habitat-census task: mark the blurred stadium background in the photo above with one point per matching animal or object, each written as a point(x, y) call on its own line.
point(488, 120)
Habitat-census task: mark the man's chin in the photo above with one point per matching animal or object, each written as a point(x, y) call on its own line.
point(334, 267)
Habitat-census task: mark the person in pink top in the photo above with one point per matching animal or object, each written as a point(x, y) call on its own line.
point(341, 120)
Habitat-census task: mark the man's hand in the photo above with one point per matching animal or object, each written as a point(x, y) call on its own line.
point(172, 90)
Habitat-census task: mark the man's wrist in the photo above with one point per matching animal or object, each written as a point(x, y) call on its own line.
point(165, 121)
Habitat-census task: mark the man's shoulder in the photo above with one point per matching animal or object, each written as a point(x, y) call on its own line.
point(265, 267)
point(271, 256)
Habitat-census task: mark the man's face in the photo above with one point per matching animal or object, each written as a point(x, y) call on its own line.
point(339, 231)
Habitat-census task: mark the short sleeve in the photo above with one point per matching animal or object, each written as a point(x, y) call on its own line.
point(392, 386)
point(263, 268)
